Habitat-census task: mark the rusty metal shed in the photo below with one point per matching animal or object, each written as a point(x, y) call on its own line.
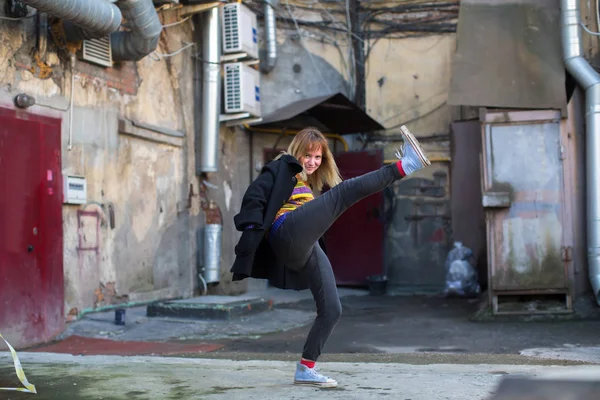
point(509, 55)
point(331, 114)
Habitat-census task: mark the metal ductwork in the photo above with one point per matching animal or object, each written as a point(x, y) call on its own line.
point(145, 31)
point(211, 91)
point(269, 57)
point(93, 19)
point(98, 17)
point(589, 80)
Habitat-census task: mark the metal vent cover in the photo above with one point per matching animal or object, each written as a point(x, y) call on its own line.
point(231, 30)
point(233, 90)
point(98, 51)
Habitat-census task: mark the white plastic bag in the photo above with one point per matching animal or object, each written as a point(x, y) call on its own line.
point(461, 276)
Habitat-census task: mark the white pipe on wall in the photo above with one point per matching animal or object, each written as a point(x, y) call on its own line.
point(589, 80)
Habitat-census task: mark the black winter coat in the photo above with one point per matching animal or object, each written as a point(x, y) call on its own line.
point(263, 198)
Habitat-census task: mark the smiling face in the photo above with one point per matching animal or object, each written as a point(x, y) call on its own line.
point(311, 161)
point(311, 149)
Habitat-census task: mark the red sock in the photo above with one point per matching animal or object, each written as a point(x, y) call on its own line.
point(309, 364)
point(400, 169)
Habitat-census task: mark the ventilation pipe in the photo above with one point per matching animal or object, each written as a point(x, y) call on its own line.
point(589, 80)
point(145, 31)
point(211, 91)
point(99, 17)
point(213, 232)
point(269, 59)
point(91, 19)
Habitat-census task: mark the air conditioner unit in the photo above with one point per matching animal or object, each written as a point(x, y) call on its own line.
point(239, 30)
point(242, 89)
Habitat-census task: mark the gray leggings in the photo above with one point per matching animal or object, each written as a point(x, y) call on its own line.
point(295, 243)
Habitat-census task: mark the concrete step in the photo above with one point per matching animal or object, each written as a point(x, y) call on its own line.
point(217, 307)
point(211, 307)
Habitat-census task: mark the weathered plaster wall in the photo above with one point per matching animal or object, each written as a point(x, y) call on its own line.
point(407, 83)
point(408, 80)
point(150, 251)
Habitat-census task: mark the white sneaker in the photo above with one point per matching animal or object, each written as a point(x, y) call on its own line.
point(310, 377)
point(411, 153)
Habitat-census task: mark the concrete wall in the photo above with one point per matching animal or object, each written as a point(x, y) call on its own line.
point(315, 76)
point(408, 80)
point(150, 251)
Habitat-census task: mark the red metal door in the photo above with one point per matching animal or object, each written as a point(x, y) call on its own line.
point(31, 251)
point(355, 241)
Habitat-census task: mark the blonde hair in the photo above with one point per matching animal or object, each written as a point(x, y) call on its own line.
point(311, 139)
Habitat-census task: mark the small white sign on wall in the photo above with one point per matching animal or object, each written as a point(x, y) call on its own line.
point(75, 190)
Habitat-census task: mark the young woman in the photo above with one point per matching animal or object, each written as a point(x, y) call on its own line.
point(282, 223)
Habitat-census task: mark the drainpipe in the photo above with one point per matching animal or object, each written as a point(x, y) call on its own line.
point(97, 16)
point(145, 31)
point(589, 80)
point(269, 57)
point(211, 91)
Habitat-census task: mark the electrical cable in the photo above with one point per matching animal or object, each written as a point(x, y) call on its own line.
point(597, 15)
point(438, 107)
point(418, 24)
point(176, 23)
point(161, 56)
point(287, 3)
point(585, 28)
point(351, 55)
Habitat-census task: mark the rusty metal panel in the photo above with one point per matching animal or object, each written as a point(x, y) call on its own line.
point(509, 55)
point(573, 131)
point(526, 240)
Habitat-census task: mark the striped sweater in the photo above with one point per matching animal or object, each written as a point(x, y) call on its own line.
point(300, 195)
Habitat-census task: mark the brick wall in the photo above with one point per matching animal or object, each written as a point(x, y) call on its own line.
point(124, 76)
